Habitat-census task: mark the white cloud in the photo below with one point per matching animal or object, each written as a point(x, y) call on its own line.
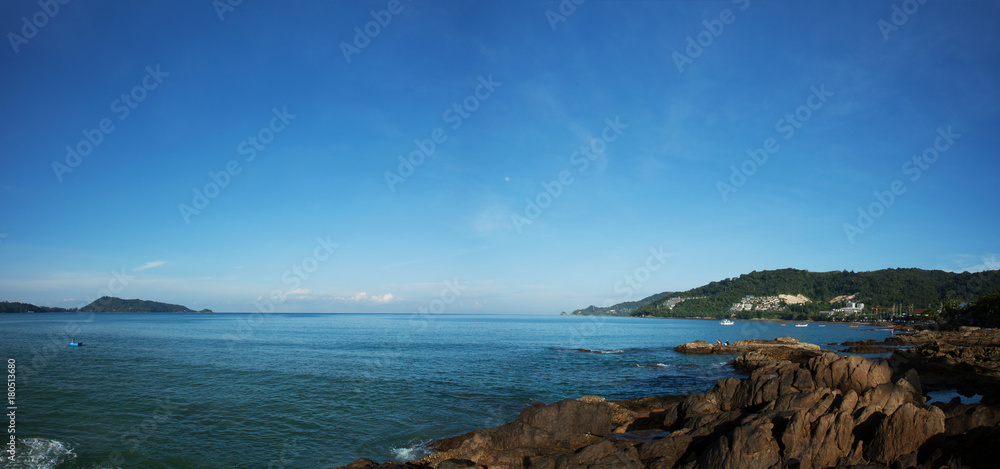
point(149, 265)
point(364, 297)
point(988, 263)
point(967, 263)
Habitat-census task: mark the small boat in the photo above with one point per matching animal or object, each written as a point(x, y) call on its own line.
point(801, 324)
point(856, 325)
point(726, 322)
point(75, 344)
point(783, 325)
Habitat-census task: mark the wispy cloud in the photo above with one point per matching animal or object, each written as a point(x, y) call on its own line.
point(974, 263)
point(149, 265)
point(988, 263)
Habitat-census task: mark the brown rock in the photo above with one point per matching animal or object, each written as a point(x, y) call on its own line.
point(868, 349)
point(748, 446)
point(849, 373)
point(961, 418)
point(820, 442)
point(567, 424)
point(666, 451)
point(903, 432)
point(457, 464)
point(743, 346)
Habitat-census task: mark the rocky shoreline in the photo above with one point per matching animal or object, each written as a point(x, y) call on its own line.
point(818, 409)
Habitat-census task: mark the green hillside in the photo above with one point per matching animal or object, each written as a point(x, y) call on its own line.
point(904, 289)
point(15, 307)
point(110, 304)
point(620, 309)
point(104, 304)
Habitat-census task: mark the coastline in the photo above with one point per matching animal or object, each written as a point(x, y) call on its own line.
point(828, 410)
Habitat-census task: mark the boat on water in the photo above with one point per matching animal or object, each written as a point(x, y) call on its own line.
point(801, 324)
point(726, 322)
point(75, 344)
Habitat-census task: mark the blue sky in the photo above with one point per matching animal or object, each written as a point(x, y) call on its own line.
point(664, 195)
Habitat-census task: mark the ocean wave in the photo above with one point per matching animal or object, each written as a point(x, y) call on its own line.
point(612, 351)
point(40, 453)
point(411, 453)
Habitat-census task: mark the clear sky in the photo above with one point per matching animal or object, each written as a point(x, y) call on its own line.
point(226, 155)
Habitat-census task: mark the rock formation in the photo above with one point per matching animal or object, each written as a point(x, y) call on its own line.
point(829, 412)
point(756, 353)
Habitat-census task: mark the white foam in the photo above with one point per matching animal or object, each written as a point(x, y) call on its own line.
point(411, 453)
point(40, 453)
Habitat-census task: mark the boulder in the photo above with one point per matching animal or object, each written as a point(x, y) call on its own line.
point(748, 446)
point(565, 425)
point(849, 373)
point(903, 432)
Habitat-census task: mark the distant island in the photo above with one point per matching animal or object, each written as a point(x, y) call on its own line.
point(793, 294)
point(104, 304)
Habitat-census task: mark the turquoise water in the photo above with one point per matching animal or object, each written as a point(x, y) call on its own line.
point(319, 390)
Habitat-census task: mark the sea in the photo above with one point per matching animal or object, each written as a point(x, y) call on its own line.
point(320, 390)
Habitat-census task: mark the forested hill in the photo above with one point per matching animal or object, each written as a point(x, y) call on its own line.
point(620, 309)
point(110, 304)
point(15, 307)
point(104, 304)
point(904, 288)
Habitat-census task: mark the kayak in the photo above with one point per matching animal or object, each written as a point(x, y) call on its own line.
point(75, 344)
